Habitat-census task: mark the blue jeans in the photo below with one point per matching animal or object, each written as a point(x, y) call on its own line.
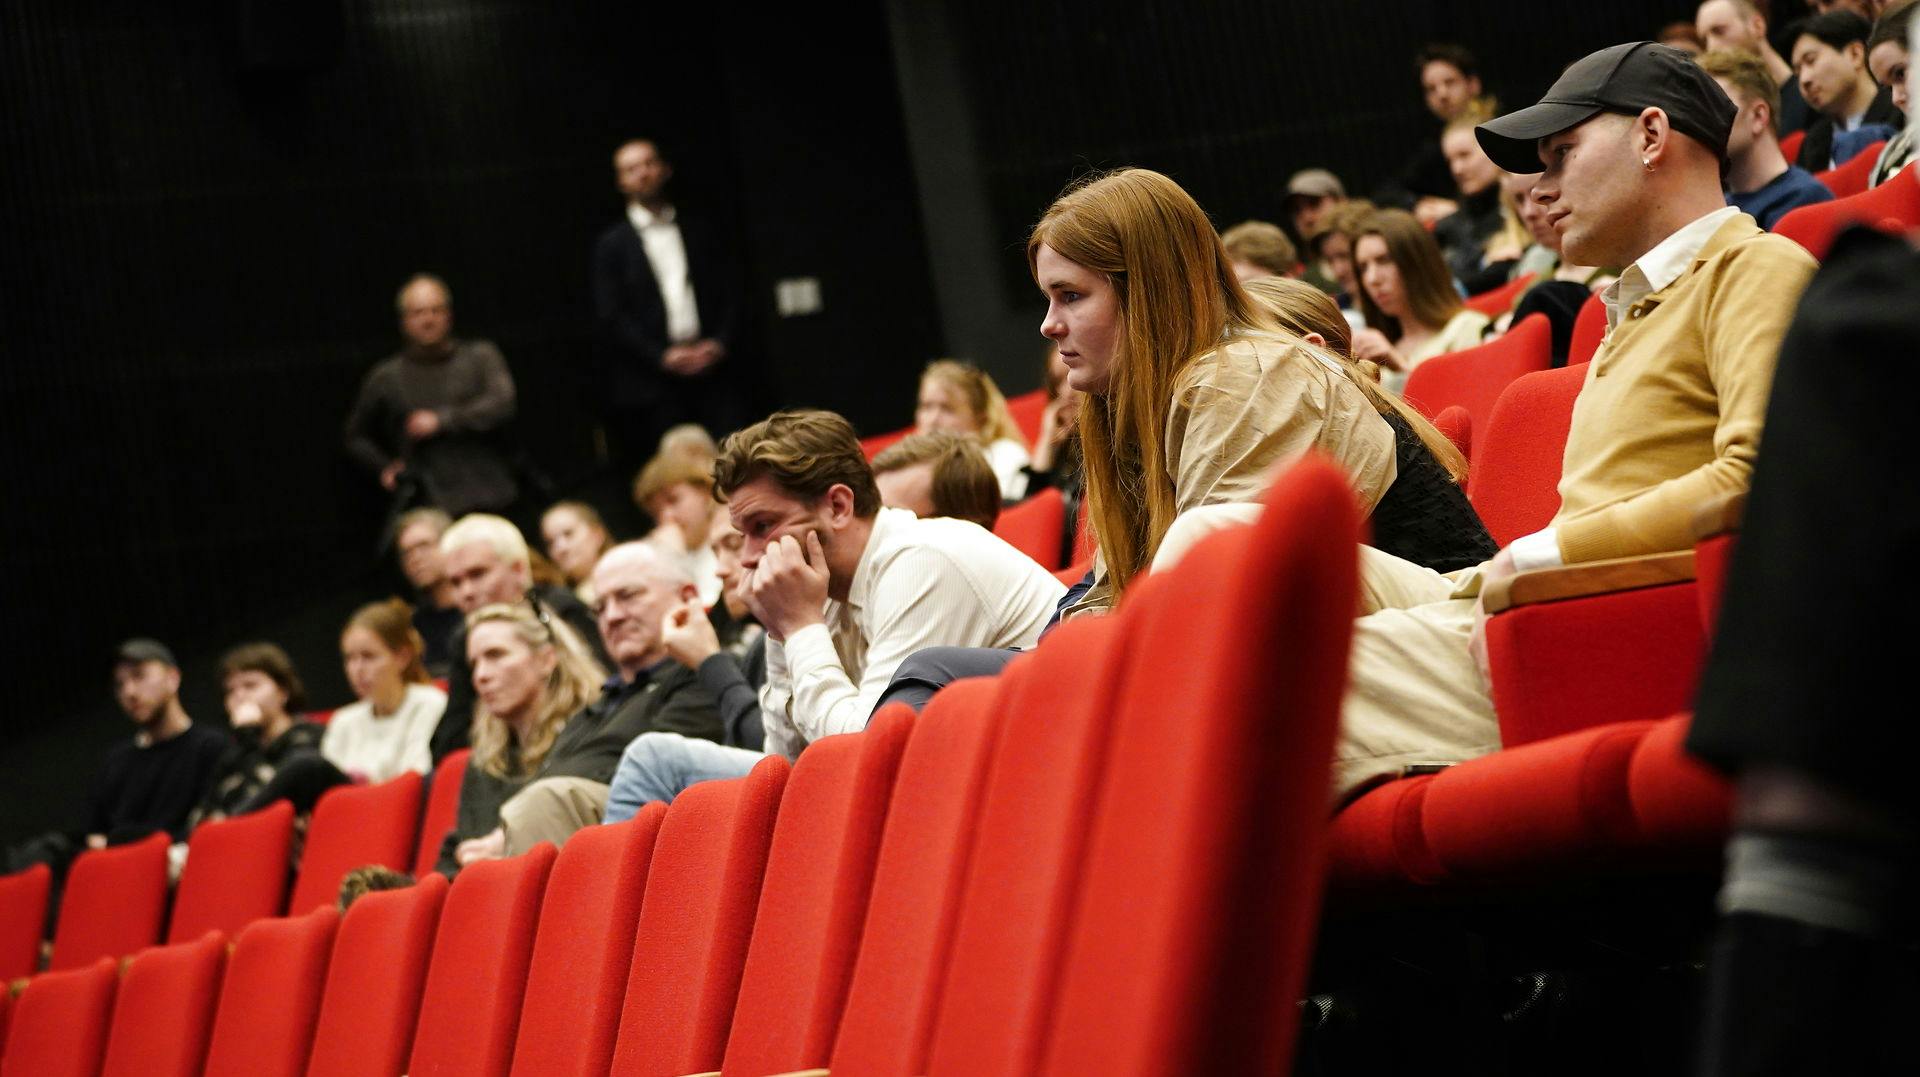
point(658, 766)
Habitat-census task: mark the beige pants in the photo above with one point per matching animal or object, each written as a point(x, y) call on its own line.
point(551, 809)
point(1414, 694)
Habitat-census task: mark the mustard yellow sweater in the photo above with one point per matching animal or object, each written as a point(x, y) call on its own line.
point(1671, 411)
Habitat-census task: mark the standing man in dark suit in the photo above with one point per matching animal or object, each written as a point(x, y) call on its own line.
point(667, 301)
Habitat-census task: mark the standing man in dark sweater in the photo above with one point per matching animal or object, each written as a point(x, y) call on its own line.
point(432, 414)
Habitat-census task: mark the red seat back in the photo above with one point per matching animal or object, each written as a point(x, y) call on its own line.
point(1028, 409)
point(356, 825)
point(578, 975)
point(373, 982)
point(1851, 177)
point(1589, 329)
point(470, 1007)
point(59, 1023)
point(1201, 889)
point(814, 898)
point(1515, 482)
point(1457, 425)
point(921, 868)
point(113, 904)
point(1035, 527)
point(236, 873)
point(443, 809)
point(271, 998)
point(1894, 205)
point(1790, 144)
point(1473, 378)
point(878, 443)
point(695, 922)
point(165, 1010)
point(23, 916)
point(1496, 301)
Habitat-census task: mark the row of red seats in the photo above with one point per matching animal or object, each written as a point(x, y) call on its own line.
point(1031, 876)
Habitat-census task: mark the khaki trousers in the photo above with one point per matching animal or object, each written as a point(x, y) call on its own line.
point(551, 809)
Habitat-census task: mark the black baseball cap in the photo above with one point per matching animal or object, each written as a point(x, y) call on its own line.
point(140, 650)
point(1625, 79)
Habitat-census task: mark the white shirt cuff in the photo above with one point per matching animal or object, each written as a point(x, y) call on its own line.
point(808, 649)
point(1536, 551)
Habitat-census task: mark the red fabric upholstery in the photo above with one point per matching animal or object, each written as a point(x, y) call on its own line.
point(1712, 556)
point(470, 1007)
point(1563, 666)
point(1029, 843)
point(1473, 378)
point(1377, 842)
point(1201, 889)
point(814, 899)
point(1589, 328)
point(113, 903)
point(271, 998)
point(23, 916)
point(695, 922)
point(356, 825)
point(373, 983)
point(1553, 803)
point(165, 1010)
point(1036, 527)
point(1497, 301)
point(6, 1020)
point(1851, 178)
point(921, 867)
point(1027, 410)
point(1680, 804)
point(1790, 143)
point(1084, 543)
point(443, 809)
point(878, 443)
point(1814, 227)
point(59, 1025)
point(1457, 425)
point(236, 873)
point(1515, 481)
point(578, 974)
point(1073, 573)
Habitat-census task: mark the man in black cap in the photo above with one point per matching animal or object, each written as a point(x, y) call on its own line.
point(149, 783)
point(1633, 141)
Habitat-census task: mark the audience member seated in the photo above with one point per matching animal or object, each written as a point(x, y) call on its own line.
point(960, 398)
point(1333, 246)
point(1887, 51)
point(430, 418)
point(1482, 240)
point(531, 672)
point(1742, 25)
point(1759, 179)
point(1258, 249)
point(489, 564)
point(1633, 138)
point(690, 440)
point(1559, 290)
point(1413, 312)
point(1449, 83)
point(1312, 194)
point(263, 694)
point(676, 490)
point(1682, 36)
point(1830, 57)
point(846, 590)
point(147, 784)
point(575, 538)
point(939, 474)
point(388, 729)
point(1056, 453)
point(435, 613)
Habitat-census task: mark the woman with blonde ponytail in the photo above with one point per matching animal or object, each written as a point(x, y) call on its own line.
point(959, 398)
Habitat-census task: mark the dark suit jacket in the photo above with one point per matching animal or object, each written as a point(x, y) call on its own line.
point(1816, 151)
point(632, 317)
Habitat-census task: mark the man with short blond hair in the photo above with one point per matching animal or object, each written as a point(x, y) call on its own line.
point(939, 474)
point(1759, 179)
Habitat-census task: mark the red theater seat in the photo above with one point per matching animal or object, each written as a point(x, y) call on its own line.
point(374, 979)
point(271, 998)
point(443, 809)
point(695, 923)
point(165, 1010)
point(470, 1006)
point(1475, 377)
point(1892, 206)
point(1028, 409)
point(59, 1023)
point(23, 916)
point(814, 898)
point(1851, 177)
point(1680, 804)
point(236, 873)
point(1036, 527)
point(1497, 301)
point(1589, 329)
point(1790, 144)
point(356, 825)
point(1518, 450)
point(578, 975)
point(114, 902)
point(1377, 841)
point(1457, 425)
point(878, 443)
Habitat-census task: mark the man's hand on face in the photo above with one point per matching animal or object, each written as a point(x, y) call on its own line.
point(787, 590)
point(422, 424)
point(688, 635)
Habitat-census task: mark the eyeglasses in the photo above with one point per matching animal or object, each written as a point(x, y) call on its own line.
point(542, 613)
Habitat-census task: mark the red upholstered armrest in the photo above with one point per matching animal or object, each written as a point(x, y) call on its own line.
point(1576, 647)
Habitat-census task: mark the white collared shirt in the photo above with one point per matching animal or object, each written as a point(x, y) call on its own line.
point(667, 254)
point(919, 583)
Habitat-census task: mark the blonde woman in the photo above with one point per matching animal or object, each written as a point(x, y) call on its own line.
point(960, 398)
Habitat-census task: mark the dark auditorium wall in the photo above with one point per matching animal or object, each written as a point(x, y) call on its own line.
point(205, 220)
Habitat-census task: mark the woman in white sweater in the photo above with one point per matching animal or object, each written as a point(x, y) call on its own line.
point(387, 732)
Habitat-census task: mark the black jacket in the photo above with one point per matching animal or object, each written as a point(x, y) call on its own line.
point(1816, 151)
point(631, 316)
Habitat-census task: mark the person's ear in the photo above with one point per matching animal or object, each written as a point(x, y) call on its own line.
point(172, 680)
point(1856, 52)
point(838, 502)
point(1650, 135)
point(1315, 339)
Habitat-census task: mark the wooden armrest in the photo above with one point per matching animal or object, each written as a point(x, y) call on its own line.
point(1591, 578)
point(1720, 516)
point(805, 1073)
